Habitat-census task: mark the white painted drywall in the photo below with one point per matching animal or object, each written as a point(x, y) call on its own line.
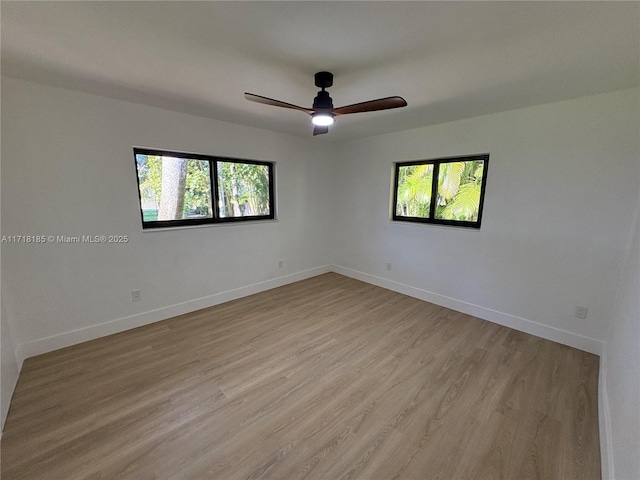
point(68, 169)
point(562, 186)
point(10, 368)
point(622, 362)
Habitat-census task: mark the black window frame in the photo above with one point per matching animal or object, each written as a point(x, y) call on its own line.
point(436, 162)
point(213, 178)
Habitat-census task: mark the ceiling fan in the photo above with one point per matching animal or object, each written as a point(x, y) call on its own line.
point(322, 113)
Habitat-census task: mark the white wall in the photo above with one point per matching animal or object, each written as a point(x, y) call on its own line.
point(68, 169)
point(621, 363)
point(10, 368)
point(562, 186)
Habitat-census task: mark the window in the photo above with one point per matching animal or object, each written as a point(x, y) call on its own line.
point(178, 189)
point(448, 191)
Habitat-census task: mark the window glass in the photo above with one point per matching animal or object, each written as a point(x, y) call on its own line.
point(243, 189)
point(414, 190)
point(459, 188)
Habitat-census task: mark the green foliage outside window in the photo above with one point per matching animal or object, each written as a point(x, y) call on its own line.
point(196, 191)
point(243, 189)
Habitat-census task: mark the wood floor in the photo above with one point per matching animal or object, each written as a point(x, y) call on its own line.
point(328, 378)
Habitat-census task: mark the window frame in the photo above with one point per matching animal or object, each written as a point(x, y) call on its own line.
point(213, 179)
point(436, 162)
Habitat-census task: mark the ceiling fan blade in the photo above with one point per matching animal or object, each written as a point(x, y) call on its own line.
point(372, 105)
point(319, 130)
point(276, 103)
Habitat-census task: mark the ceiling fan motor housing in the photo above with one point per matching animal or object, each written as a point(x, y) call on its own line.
point(322, 101)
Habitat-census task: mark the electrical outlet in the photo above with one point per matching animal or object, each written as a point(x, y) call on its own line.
point(581, 312)
point(136, 295)
point(280, 263)
point(389, 266)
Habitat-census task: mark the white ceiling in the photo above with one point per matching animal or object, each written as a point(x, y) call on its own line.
point(449, 60)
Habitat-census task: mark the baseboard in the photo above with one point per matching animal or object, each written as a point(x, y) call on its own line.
point(92, 332)
point(66, 339)
point(604, 420)
point(564, 337)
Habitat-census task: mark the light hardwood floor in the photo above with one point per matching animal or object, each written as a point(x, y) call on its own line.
point(328, 378)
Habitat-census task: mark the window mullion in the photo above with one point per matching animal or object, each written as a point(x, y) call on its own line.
point(434, 190)
point(213, 172)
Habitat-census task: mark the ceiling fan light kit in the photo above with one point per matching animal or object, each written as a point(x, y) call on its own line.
point(323, 113)
point(323, 119)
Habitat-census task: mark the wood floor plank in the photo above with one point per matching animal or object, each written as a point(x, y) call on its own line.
point(328, 378)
